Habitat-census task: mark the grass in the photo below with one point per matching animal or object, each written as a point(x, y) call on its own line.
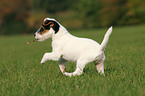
point(22, 75)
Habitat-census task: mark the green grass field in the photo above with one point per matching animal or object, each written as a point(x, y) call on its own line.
point(21, 73)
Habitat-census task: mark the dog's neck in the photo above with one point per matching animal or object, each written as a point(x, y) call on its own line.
point(60, 34)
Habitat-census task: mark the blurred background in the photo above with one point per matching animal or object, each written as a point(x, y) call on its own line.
point(25, 16)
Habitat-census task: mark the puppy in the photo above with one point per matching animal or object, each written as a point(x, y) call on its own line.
point(66, 47)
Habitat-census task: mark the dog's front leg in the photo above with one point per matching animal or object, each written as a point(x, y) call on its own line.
point(50, 56)
point(61, 64)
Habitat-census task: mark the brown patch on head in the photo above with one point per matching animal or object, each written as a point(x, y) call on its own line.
point(41, 33)
point(46, 23)
point(42, 30)
point(45, 27)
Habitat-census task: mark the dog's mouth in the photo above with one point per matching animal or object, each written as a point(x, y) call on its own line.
point(40, 40)
point(31, 41)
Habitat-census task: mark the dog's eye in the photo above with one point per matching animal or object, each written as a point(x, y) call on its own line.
point(41, 29)
point(47, 26)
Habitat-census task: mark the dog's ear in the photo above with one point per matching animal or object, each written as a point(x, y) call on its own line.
point(51, 24)
point(55, 26)
point(48, 23)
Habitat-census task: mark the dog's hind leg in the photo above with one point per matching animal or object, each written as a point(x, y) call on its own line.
point(81, 63)
point(61, 64)
point(99, 63)
point(100, 66)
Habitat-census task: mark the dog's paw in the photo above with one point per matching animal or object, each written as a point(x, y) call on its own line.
point(42, 62)
point(102, 74)
point(68, 74)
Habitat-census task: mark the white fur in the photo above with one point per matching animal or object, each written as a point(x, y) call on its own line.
point(66, 47)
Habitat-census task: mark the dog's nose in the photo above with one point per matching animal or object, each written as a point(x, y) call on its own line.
point(34, 35)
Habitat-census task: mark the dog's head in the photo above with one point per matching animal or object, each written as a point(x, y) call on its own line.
point(48, 28)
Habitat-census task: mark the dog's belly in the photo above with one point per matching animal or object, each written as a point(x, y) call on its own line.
point(73, 53)
point(69, 58)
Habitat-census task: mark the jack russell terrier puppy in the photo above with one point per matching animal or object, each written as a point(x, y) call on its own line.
point(66, 47)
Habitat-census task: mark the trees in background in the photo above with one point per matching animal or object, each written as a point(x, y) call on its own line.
point(97, 13)
point(89, 12)
point(52, 6)
point(111, 12)
point(19, 16)
point(13, 15)
point(134, 12)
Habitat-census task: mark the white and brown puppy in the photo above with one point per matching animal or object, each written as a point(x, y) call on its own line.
point(68, 47)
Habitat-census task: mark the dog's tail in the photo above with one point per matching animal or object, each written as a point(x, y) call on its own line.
point(106, 39)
